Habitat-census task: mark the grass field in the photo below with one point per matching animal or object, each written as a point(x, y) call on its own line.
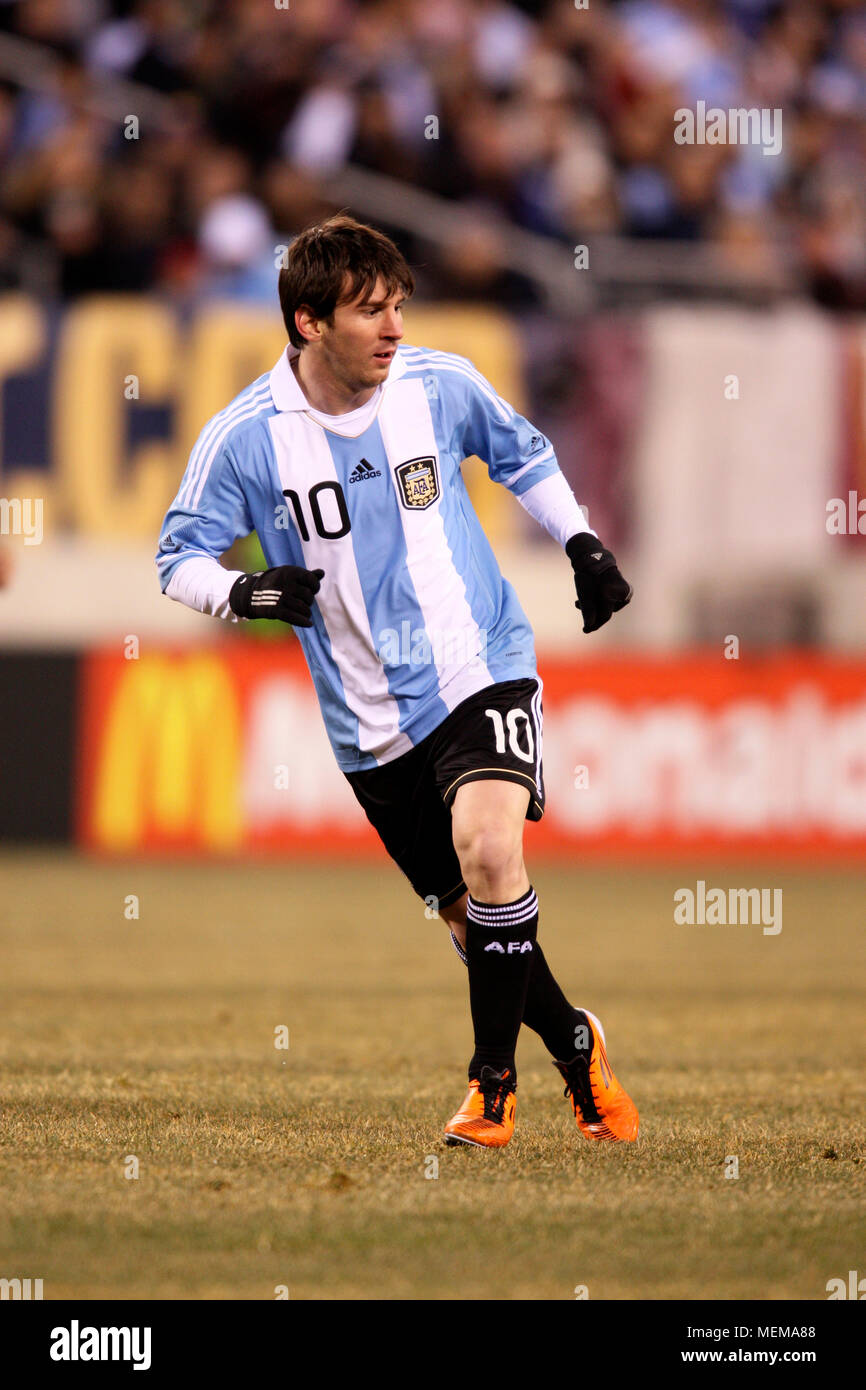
point(260, 1167)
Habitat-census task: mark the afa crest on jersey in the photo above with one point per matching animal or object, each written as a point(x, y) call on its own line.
point(418, 482)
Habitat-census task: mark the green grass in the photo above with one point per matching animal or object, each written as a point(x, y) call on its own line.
point(306, 1168)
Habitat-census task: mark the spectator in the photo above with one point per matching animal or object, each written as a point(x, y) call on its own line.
point(560, 120)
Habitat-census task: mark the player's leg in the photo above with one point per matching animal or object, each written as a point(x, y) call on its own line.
point(546, 1010)
point(601, 1107)
point(501, 921)
point(487, 820)
point(488, 838)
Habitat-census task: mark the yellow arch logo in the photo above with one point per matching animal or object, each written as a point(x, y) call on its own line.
point(169, 756)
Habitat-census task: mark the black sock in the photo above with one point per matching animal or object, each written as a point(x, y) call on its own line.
point(500, 943)
point(548, 1013)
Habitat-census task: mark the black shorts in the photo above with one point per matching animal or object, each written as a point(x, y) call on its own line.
point(408, 801)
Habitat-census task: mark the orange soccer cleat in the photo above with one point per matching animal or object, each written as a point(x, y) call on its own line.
point(601, 1107)
point(486, 1117)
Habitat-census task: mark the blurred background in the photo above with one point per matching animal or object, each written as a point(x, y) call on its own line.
point(687, 322)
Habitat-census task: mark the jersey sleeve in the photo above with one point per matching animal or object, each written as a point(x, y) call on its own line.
point(517, 455)
point(209, 513)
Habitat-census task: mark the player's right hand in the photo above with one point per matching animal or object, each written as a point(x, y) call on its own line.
point(286, 592)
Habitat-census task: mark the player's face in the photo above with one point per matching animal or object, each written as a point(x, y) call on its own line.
point(360, 346)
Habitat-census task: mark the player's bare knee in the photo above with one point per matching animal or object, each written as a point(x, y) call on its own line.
point(490, 856)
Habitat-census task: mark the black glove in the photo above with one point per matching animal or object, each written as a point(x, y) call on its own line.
point(286, 592)
point(601, 589)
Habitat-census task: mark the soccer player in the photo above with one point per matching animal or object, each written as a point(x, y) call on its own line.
point(421, 656)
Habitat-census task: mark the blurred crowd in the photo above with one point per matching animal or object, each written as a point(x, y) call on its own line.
point(556, 117)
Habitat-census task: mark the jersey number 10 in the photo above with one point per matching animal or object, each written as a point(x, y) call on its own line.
point(316, 511)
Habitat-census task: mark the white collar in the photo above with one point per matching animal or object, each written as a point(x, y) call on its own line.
point(286, 389)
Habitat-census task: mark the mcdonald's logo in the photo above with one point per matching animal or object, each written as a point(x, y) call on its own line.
point(167, 754)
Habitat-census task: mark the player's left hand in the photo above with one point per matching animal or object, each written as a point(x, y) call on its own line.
point(601, 589)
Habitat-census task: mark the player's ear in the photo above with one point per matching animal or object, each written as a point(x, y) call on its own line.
point(306, 323)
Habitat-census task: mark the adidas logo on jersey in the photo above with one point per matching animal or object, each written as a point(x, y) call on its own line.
point(362, 471)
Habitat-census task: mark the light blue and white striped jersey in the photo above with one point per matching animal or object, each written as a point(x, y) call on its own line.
point(413, 614)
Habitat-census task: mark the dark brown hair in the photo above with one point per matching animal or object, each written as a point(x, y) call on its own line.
point(319, 260)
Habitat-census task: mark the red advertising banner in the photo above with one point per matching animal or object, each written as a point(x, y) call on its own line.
point(222, 750)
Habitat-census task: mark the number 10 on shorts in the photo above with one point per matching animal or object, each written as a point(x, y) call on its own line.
point(514, 732)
